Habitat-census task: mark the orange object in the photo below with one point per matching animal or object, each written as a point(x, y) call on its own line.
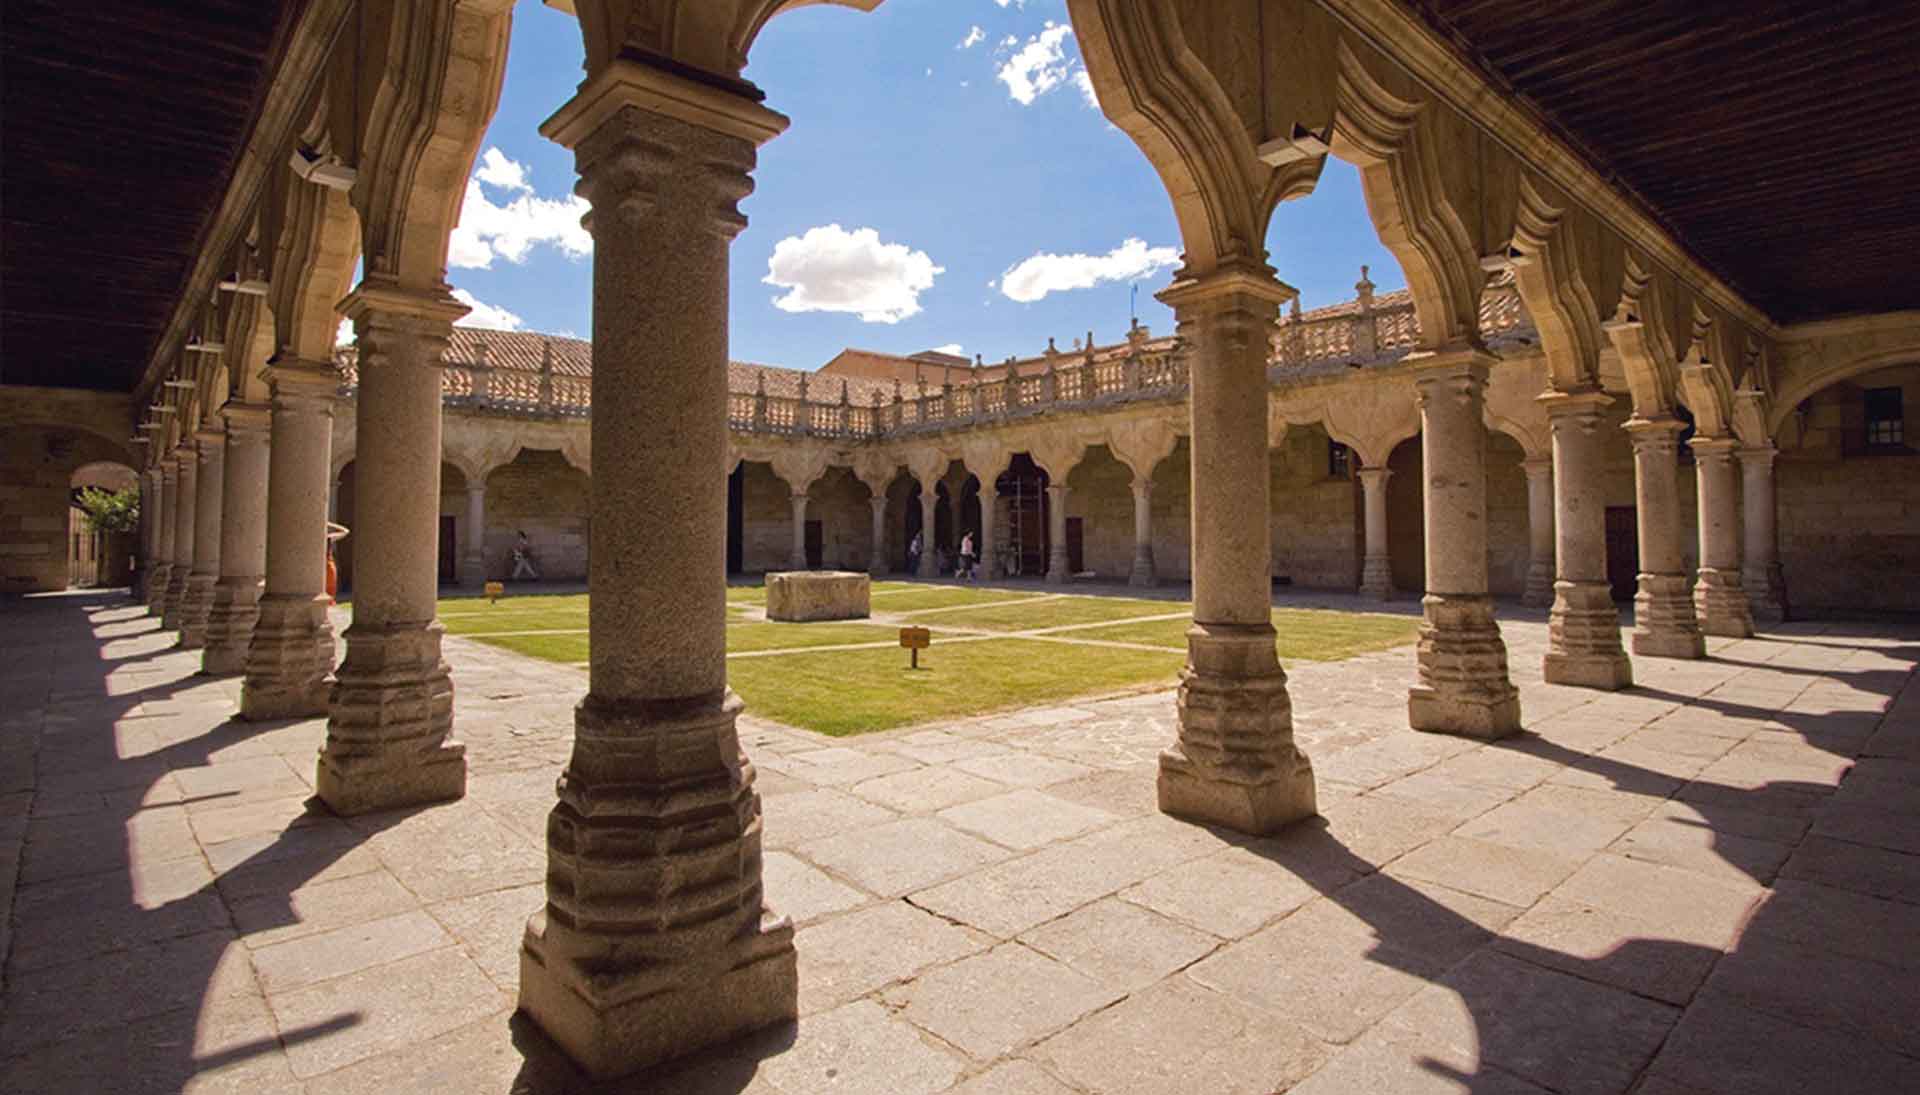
point(333, 575)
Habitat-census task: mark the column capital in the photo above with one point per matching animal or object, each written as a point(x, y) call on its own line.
point(247, 420)
point(1537, 466)
point(185, 453)
point(169, 469)
point(1717, 449)
point(1758, 456)
point(629, 82)
point(1653, 427)
point(1577, 403)
point(1462, 372)
point(312, 377)
point(384, 305)
point(210, 434)
point(479, 488)
point(1373, 478)
point(1234, 285)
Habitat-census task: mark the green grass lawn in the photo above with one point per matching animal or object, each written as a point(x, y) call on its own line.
point(842, 692)
point(857, 691)
point(1302, 634)
point(1054, 612)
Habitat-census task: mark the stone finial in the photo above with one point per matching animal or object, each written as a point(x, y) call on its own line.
point(876, 400)
point(1052, 350)
point(803, 387)
point(759, 382)
point(546, 355)
point(1089, 347)
point(1293, 308)
point(1136, 334)
point(1365, 290)
point(979, 362)
point(946, 376)
point(896, 389)
point(480, 350)
point(844, 401)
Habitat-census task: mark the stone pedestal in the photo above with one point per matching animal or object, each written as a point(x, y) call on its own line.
point(243, 540)
point(165, 479)
point(1143, 573)
point(209, 485)
point(1058, 571)
point(187, 463)
point(1463, 684)
point(877, 561)
point(1540, 531)
point(1719, 600)
point(390, 719)
point(1760, 573)
point(1234, 762)
point(473, 564)
point(290, 657)
point(1583, 630)
point(803, 596)
point(1376, 566)
point(1664, 625)
point(656, 939)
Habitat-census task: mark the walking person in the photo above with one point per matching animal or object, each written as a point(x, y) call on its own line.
point(523, 560)
point(967, 559)
point(913, 555)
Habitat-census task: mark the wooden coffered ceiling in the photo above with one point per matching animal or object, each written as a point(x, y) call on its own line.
point(1780, 142)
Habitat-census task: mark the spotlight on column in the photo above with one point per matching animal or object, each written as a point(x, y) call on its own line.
point(234, 283)
point(181, 385)
point(323, 168)
point(1305, 144)
point(195, 345)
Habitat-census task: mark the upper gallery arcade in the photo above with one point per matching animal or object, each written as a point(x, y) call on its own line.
point(1640, 315)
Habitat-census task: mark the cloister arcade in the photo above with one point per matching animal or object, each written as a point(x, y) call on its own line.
point(1564, 358)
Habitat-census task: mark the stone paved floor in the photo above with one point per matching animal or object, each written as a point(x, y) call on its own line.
point(1710, 883)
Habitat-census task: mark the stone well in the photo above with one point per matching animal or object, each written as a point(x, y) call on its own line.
point(798, 596)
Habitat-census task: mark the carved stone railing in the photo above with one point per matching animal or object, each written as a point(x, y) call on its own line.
point(1091, 378)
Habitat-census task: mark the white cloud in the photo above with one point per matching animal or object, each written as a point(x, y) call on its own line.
point(496, 169)
point(343, 334)
point(1015, 3)
point(1040, 65)
point(490, 230)
point(974, 37)
point(486, 315)
point(829, 269)
point(1034, 277)
point(1085, 83)
point(953, 348)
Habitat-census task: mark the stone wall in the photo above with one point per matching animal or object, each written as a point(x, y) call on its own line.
point(766, 516)
point(1849, 518)
point(544, 496)
point(36, 476)
point(1100, 494)
point(1315, 515)
point(839, 502)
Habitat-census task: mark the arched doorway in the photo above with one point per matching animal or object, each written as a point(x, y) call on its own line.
point(1024, 541)
point(102, 524)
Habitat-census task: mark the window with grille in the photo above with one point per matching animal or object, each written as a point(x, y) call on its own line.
point(1886, 417)
point(1339, 460)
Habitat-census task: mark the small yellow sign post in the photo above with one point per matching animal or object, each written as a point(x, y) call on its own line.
point(494, 591)
point(915, 639)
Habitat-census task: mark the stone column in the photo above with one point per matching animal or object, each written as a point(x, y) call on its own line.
point(209, 485)
point(1583, 630)
point(1760, 573)
point(1376, 568)
point(151, 487)
point(877, 562)
point(1057, 534)
point(290, 656)
point(473, 565)
point(929, 501)
point(1664, 625)
point(656, 938)
point(169, 500)
point(1463, 686)
point(390, 718)
point(1718, 598)
point(184, 526)
point(1143, 568)
point(1540, 531)
point(243, 540)
point(797, 558)
point(989, 556)
point(1234, 762)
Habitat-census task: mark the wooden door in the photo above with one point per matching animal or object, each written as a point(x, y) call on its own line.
point(815, 545)
point(1076, 530)
point(1623, 551)
point(449, 553)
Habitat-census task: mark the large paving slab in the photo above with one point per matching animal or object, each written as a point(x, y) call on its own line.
point(1707, 883)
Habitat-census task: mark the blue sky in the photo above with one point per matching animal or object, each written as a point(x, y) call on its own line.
point(946, 183)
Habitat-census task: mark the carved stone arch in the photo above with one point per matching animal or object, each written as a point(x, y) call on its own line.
point(577, 449)
point(411, 89)
point(1141, 444)
point(1704, 387)
point(1058, 454)
point(801, 467)
point(876, 470)
point(1154, 87)
point(1439, 192)
point(1650, 328)
point(1557, 251)
point(311, 238)
point(714, 35)
point(1373, 418)
point(1802, 384)
point(986, 459)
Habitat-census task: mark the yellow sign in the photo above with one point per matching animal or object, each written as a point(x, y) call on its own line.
point(495, 590)
point(915, 639)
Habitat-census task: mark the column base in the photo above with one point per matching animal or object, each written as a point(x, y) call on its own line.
point(137, 586)
point(473, 572)
point(1464, 688)
point(1539, 590)
point(797, 563)
point(1057, 573)
point(1583, 638)
point(1721, 604)
point(174, 600)
point(195, 607)
point(391, 720)
point(287, 677)
point(1766, 594)
point(156, 591)
point(230, 620)
point(1376, 577)
point(1234, 763)
point(1144, 573)
point(1664, 625)
point(656, 940)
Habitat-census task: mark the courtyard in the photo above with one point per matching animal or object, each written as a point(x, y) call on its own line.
point(1704, 883)
point(996, 648)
